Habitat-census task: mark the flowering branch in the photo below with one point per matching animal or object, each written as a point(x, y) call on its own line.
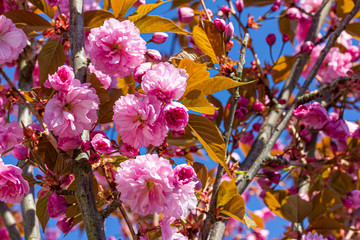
point(46, 132)
point(9, 222)
point(255, 167)
point(82, 168)
point(319, 92)
point(211, 218)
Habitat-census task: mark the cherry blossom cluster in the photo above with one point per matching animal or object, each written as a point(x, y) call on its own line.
point(146, 120)
point(72, 109)
point(149, 185)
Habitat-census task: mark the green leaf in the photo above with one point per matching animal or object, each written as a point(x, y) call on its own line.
point(106, 5)
point(249, 223)
point(201, 172)
point(143, 10)
point(282, 69)
point(197, 74)
point(273, 200)
point(44, 7)
point(196, 101)
point(343, 7)
point(32, 181)
point(28, 18)
point(209, 40)
point(287, 26)
point(354, 30)
point(323, 202)
point(50, 58)
point(217, 84)
point(296, 209)
point(42, 212)
point(177, 3)
point(235, 207)
point(106, 111)
point(120, 7)
point(96, 18)
point(150, 24)
point(257, 3)
point(226, 192)
point(210, 137)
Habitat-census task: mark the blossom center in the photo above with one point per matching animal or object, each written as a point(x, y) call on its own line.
point(67, 107)
point(150, 186)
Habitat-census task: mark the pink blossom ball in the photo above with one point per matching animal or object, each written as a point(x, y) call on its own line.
point(12, 41)
point(67, 114)
point(61, 80)
point(139, 123)
point(165, 81)
point(13, 186)
point(10, 135)
point(116, 48)
point(101, 144)
point(176, 116)
point(317, 116)
point(145, 183)
point(311, 236)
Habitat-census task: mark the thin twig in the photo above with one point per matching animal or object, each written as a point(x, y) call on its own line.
point(46, 132)
point(210, 219)
point(127, 220)
point(205, 9)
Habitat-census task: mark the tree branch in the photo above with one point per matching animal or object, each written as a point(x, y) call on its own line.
point(82, 169)
point(256, 164)
point(28, 207)
point(9, 222)
point(211, 218)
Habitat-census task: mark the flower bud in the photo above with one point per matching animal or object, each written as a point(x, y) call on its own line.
point(239, 5)
point(57, 205)
point(53, 3)
point(293, 14)
point(220, 24)
point(85, 145)
point(258, 107)
point(276, 5)
point(285, 37)
point(140, 71)
point(204, 16)
point(271, 39)
point(138, 3)
point(225, 11)
point(159, 37)
point(153, 55)
point(184, 174)
point(20, 152)
point(94, 158)
point(127, 150)
point(228, 32)
point(307, 47)
point(176, 116)
point(186, 14)
point(65, 224)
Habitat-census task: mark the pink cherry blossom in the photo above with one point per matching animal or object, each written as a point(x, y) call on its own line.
point(12, 40)
point(301, 111)
point(337, 129)
point(65, 224)
point(176, 116)
point(317, 116)
point(52, 234)
point(69, 143)
point(335, 64)
point(116, 48)
point(140, 71)
point(13, 186)
point(4, 234)
point(354, 198)
point(101, 144)
point(61, 80)
point(139, 123)
point(67, 114)
point(169, 232)
point(128, 150)
point(57, 205)
point(165, 82)
point(10, 135)
point(311, 236)
point(103, 78)
point(184, 174)
point(146, 184)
